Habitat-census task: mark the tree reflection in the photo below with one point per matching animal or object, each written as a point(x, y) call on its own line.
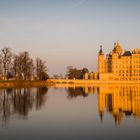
point(40, 97)
point(75, 92)
point(20, 101)
point(6, 112)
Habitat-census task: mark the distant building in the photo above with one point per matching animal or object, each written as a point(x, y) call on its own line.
point(91, 76)
point(118, 65)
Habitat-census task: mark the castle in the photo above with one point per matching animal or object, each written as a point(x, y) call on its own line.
point(117, 65)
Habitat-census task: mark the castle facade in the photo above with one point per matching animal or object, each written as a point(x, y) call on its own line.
point(117, 65)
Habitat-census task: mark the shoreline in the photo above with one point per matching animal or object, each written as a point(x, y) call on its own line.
point(61, 83)
point(22, 83)
point(75, 81)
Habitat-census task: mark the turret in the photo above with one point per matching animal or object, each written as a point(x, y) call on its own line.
point(101, 51)
point(101, 61)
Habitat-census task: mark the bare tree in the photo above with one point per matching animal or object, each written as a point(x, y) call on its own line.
point(15, 66)
point(41, 68)
point(1, 67)
point(6, 56)
point(23, 67)
point(25, 64)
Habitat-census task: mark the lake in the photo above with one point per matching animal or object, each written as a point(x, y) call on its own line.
point(70, 113)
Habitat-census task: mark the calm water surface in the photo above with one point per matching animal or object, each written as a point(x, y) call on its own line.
point(84, 113)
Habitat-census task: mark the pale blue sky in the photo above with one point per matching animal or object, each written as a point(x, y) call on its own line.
point(69, 32)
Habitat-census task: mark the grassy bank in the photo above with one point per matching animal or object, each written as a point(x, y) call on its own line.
point(21, 83)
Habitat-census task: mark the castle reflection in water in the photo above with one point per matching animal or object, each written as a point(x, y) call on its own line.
point(119, 101)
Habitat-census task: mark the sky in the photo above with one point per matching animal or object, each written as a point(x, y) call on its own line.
point(69, 32)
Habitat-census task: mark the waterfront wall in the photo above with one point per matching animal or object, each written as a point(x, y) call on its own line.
point(92, 82)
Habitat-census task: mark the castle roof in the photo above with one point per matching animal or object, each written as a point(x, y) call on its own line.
point(127, 53)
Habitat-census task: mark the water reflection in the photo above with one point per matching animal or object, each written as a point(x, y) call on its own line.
point(75, 92)
point(20, 101)
point(119, 101)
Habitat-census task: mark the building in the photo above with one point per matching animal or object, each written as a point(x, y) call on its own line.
point(91, 76)
point(119, 65)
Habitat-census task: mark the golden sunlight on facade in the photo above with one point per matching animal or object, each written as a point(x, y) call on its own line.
point(117, 65)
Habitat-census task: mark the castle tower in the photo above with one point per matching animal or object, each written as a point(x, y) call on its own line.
point(117, 48)
point(116, 53)
point(101, 61)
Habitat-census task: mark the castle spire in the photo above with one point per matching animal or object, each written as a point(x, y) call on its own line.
point(101, 50)
point(101, 47)
point(118, 43)
point(114, 44)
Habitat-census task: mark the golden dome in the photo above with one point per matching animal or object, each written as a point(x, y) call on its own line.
point(117, 48)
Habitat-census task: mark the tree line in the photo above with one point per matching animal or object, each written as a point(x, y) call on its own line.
point(21, 66)
point(74, 73)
